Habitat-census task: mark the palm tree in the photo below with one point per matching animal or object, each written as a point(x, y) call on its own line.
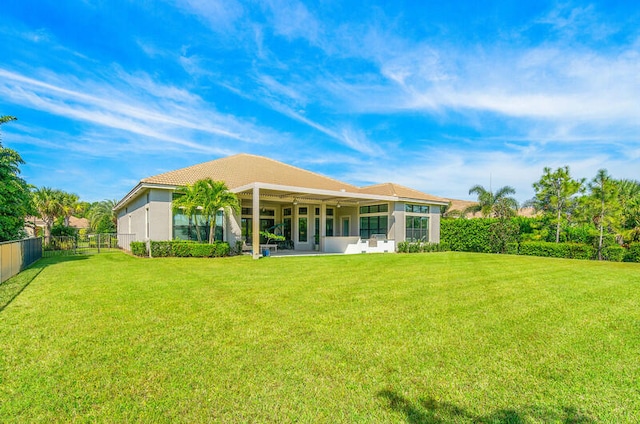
point(216, 196)
point(102, 212)
point(69, 203)
point(188, 202)
point(497, 205)
point(47, 203)
point(206, 197)
point(629, 198)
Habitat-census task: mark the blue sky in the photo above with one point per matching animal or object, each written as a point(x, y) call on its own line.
point(434, 95)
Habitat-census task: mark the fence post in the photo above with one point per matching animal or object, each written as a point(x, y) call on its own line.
point(98, 242)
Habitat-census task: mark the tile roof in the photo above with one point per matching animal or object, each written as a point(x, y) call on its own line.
point(391, 189)
point(242, 169)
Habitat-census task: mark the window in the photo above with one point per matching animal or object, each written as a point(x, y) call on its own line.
point(247, 211)
point(329, 211)
point(184, 227)
point(302, 230)
point(424, 209)
point(417, 228)
point(317, 211)
point(287, 228)
point(247, 228)
point(317, 231)
point(374, 208)
point(302, 211)
point(373, 225)
point(329, 229)
point(286, 212)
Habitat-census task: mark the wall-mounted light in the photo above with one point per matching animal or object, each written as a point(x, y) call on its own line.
point(295, 201)
point(338, 205)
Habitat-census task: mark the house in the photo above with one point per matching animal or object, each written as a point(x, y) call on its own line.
point(34, 225)
point(312, 211)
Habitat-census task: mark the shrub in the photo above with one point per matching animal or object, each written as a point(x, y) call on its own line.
point(557, 250)
point(512, 248)
point(487, 235)
point(139, 248)
point(185, 248)
point(417, 247)
point(633, 254)
point(222, 249)
point(181, 249)
point(202, 250)
point(614, 253)
point(160, 249)
point(466, 235)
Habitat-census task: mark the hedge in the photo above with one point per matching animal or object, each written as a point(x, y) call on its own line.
point(184, 249)
point(633, 254)
point(487, 235)
point(615, 253)
point(139, 248)
point(557, 250)
point(419, 247)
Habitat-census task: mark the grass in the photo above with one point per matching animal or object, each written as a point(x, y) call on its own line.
point(423, 338)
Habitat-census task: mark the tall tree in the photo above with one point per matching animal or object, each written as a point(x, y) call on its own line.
point(102, 217)
point(69, 204)
point(48, 204)
point(555, 195)
point(497, 205)
point(629, 198)
point(189, 203)
point(603, 204)
point(216, 196)
point(15, 199)
point(205, 198)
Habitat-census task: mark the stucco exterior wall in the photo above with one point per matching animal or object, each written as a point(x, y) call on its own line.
point(148, 216)
point(131, 219)
point(434, 224)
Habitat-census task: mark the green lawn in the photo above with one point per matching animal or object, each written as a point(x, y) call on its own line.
point(422, 338)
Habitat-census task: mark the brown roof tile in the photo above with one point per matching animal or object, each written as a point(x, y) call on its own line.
point(391, 189)
point(242, 169)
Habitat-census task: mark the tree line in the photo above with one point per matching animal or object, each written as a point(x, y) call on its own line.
point(19, 200)
point(568, 209)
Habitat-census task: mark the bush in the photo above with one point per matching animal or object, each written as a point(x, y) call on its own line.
point(181, 249)
point(512, 248)
point(222, 249)
point(139, 248)
point(633, 254)
point(487, 235)
point(557, 250)
point(418, 247)
point(614, 253)
point(185, 249)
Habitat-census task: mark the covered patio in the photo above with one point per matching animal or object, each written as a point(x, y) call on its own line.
point(316, 221)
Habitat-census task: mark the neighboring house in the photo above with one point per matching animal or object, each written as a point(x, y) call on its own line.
point(312, 211)
point(457, 208)
point(34, 225)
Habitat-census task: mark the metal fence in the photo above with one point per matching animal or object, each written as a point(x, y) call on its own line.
point(17, 255)
point(86, 244)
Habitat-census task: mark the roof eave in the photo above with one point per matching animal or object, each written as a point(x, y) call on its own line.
point(137, 189)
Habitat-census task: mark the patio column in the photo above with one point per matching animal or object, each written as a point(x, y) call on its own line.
point(255, 223)
point(323, 225)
